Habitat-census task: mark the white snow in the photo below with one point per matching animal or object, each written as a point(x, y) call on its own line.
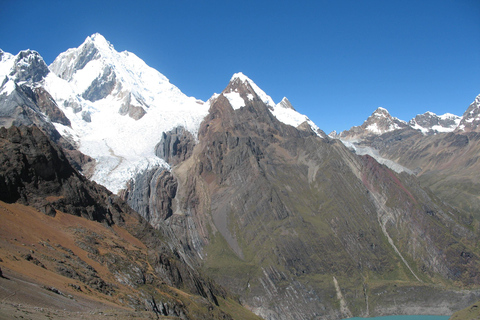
point(437, 128)
point(381, 113)
point(283, 114)
point(8, 88)
point(292, 117)
point(418, 127)
point(83, 78)
point(6, 65)
point(236, 101)
point(447, 116)
point(121, 145)
point(374, 128)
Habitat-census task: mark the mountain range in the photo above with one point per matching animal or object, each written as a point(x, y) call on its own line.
point(289, 222)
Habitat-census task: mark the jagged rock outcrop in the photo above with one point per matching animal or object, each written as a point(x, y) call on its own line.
point(37, 173)
point(175, 146)
point(29, 66)
point(24, 101)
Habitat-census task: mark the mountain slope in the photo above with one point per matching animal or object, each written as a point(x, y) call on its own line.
point(121, 261)
point(287, 220)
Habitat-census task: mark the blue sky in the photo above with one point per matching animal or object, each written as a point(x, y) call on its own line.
point(336, 61)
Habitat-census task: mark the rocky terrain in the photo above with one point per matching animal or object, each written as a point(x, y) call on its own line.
point(71, 246)
point(297, 225)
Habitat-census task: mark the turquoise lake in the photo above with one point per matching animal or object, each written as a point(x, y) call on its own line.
point(404, 318)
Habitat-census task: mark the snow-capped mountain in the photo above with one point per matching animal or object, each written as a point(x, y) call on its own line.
point(283, 110)
point(381, 122)
point(119, 107)
point(116, 107)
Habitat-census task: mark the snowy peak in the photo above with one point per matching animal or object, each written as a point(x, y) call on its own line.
point(95, 71)
point(119, 107)
point(471, 118)
point(429, 122)
point(7, 61)
point(241, 89)
point(99, 42)
point(381, 121)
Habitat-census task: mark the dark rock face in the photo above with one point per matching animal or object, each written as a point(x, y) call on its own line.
point(151, 194)
point(35, 172)
point(175, 146)
point(48, 106)
point(133, 111)
point(43, 101)
point(101, 87)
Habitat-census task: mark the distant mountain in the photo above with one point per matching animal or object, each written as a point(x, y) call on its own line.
point(247, 191)
point(381, 122)
point(442, 151)
point(378, 123)
point(429, 122)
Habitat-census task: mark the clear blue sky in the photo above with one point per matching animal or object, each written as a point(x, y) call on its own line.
point(337, 61)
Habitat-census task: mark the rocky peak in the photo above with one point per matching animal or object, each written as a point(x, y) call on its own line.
point(333, 134)
point(67, 63)
point(471, 118)
point(378, 123)
point(243, 87)
point(381, 121)
point(28, 66)
point(285, 103)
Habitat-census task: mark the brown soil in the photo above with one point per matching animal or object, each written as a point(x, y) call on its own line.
point(31, 244)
